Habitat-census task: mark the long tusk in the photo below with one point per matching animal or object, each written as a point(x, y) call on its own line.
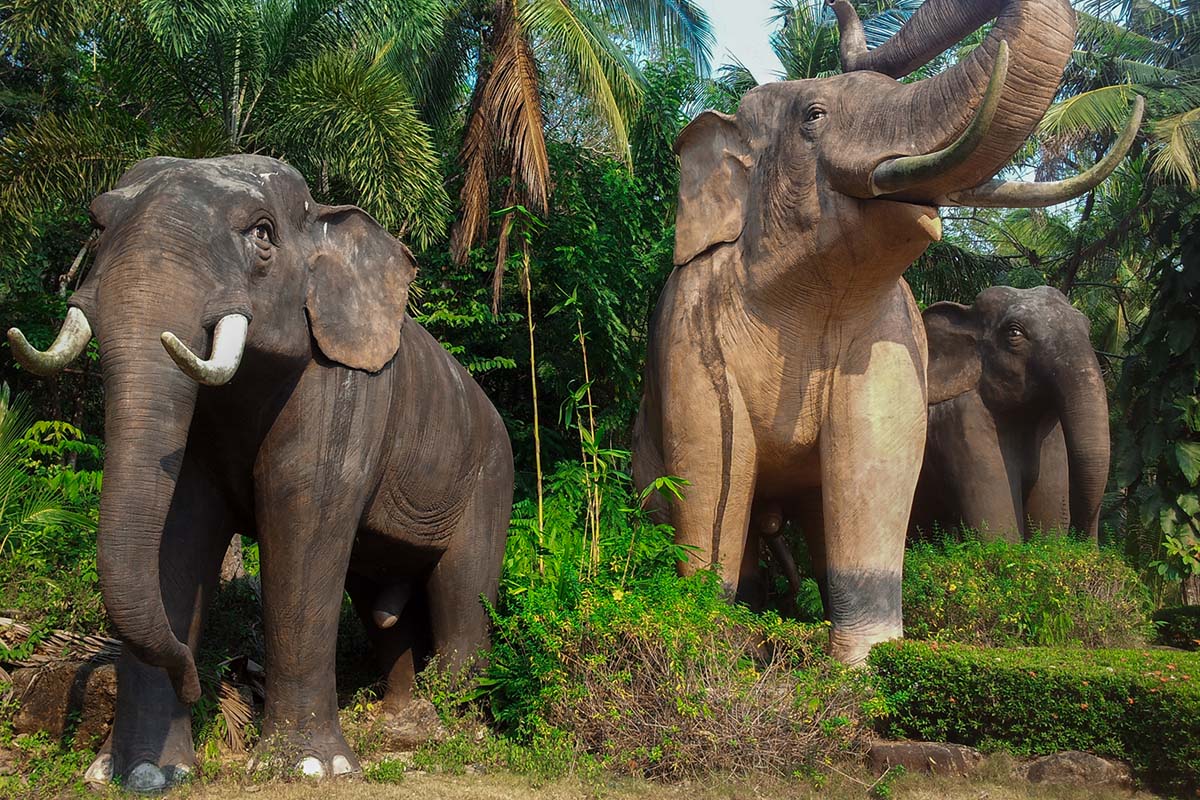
point(229, 339)
point(897, 174)
point(1039, 194)
point(72, 338)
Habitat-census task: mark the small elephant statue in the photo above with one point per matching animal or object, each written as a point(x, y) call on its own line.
point(786, 364)
point(1018, 418)
point(324, 422)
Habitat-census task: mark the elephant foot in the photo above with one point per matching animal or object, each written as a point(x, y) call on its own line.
point(409, 725)
point(852, 649)
point(309, 754)
point(141, 766)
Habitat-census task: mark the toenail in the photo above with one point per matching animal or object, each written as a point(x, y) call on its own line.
point(311, 767)
point(341, 765)
point(100, 771)
point(146, 778)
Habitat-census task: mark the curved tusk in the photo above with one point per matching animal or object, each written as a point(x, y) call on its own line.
point(72, 338)
point(897, 174)
point(229, 339)
point(1039, 194)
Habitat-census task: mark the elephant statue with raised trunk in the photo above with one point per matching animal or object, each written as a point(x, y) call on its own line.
point(786, 368)
point(1018, 418)
point(324, 422)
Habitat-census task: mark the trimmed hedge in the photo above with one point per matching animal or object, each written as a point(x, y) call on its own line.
point(1141, 706)
point(1049, 592)
point(1178, 627)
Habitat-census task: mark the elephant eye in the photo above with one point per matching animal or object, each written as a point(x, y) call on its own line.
point(814, 113)
point(1014, 333)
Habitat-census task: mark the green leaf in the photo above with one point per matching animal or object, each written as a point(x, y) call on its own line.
point(1181, 335)
point(1187, 455)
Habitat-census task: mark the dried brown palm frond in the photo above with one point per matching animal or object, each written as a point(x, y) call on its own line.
point(238, 710)
point(506, 116)
point(59, 646)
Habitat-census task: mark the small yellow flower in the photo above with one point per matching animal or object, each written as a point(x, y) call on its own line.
point(618, 594)
point(952, 587)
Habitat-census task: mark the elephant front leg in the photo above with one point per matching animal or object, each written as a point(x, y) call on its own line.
point(150, 745)
point(871, 447)
point(708, 440)
point(305, 539)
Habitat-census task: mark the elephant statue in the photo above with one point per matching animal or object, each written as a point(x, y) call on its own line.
point(1018, 417)
point(325, 423)
point(786, 365)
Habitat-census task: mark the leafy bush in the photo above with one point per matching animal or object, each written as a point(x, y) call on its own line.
point(1178, 627)
point(1049, 591)
point(670, 680)
point(1141, 706)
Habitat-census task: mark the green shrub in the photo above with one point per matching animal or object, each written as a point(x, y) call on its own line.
point(1142, 706)
point(1049, 591)
point(671, 680)
point(1178, 627)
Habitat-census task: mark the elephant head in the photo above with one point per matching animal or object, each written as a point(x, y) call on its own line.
point(232, 250)
point(846, 169)
point(1028, 353)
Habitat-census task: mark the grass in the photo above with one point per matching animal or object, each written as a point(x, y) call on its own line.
point(993, 781)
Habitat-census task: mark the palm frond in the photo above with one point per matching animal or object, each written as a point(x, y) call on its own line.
point(604, 74)
point(661, 25)
point(1102, 109)
point(347, 112)
point(1177, 148)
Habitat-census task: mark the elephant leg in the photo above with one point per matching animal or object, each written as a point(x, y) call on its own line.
point(1048, 494)
point(468, 571)
point(709, 441)
point(977, 468)
point(871, 446)
point(150, 745)
point(399, 648)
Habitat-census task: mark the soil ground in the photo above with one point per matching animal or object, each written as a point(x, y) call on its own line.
point(991, 782)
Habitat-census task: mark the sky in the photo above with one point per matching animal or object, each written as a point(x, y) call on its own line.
point(741, 28)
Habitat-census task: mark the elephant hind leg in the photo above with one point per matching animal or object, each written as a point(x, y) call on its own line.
point(468, 571)
point(401, 647)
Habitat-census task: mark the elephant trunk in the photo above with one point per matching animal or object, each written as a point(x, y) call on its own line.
point(1083, 410)
point(1040, 35)
point(149, 406)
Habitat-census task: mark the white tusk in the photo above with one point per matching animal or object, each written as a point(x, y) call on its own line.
point(72, 338)
point(229, 339)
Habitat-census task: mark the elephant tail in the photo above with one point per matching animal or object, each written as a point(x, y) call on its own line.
point(389, 604)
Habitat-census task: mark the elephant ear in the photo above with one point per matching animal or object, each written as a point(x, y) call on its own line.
point(357, 288)
point(714, 179)
point(954, 365)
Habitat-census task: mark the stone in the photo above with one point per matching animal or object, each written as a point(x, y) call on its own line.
point(938, 757)
point(48, 697)
point(98, 708)
point(10, 762)
point(414, 725)
point(1075, 768)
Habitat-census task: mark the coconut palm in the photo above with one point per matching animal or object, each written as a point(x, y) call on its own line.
point(505, 128)
point(333, 86)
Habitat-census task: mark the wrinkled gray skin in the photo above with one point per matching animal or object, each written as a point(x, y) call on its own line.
point(1018, 417)
point(349, 443)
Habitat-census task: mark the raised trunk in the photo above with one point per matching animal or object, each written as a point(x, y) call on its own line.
point(1083, 409)
point(148, 410)
point(1040, 36)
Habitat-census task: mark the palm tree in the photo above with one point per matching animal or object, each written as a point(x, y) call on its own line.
point(505, 129)
point(332, 86)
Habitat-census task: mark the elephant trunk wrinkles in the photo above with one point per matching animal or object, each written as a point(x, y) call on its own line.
point(1083, 410)
point(1040, 36)
point(149, 405)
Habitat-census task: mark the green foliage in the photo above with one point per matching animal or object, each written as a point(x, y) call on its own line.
point(1048, 591)
point(1141, 706)
point(671, 680)
point(48, 511)
point(1178, 627)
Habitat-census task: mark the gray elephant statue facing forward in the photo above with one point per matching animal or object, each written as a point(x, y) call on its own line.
point(325, 423)
point(1018, 418)
point(785, 369)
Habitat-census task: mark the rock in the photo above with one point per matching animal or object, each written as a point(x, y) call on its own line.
point(9, 763)
point(48, 696)
point(414, 725)
point(936, 757)
point(1075, 768)
point(44, 694)
point(99, 707)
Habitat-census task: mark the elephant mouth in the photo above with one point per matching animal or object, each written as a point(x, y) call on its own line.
point(915, 216)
